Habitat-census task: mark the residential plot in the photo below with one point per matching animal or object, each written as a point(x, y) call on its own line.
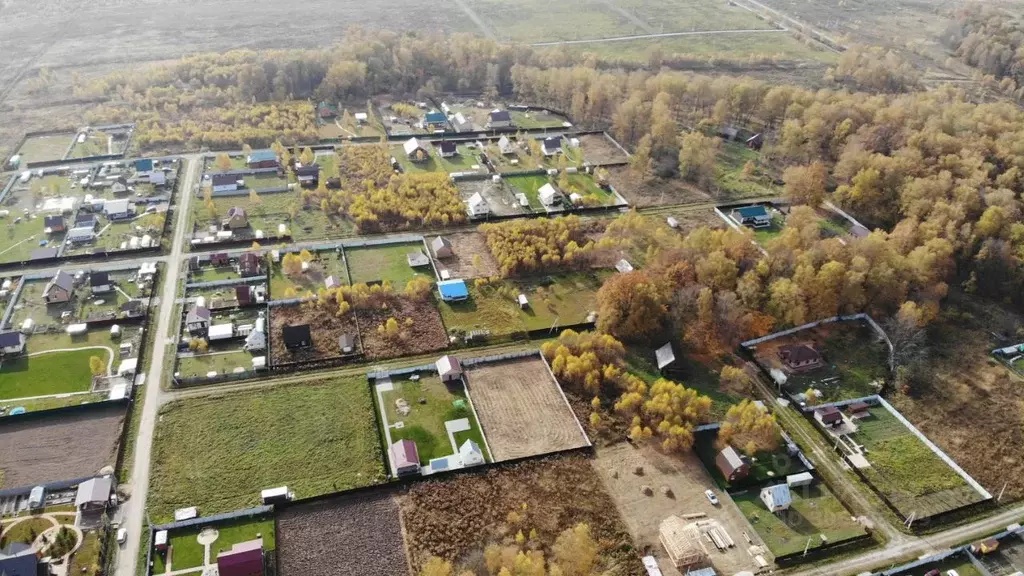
point(564, 300)
point(763, 466)
point(489, 312)
point(356, 535)
point(1008, 559)
point(218, 452)
point(500, 197)
point(419, 329)
point(674, 15)
point(522, 410)
point(187, 546)
point(599, 149)
point(325, 264)
point(329, 334)
point(463, 255)
point(958, 562)
point(59, 447)
point(45, 148)
point(386, 263)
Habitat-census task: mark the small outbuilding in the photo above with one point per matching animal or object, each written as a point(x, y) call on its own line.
point(548, 194)
point(447, 149)
point(449, 369)
point(471, 454)
point(99, 283)
point(665, 356)
point(224, 182)
point(94, 494)
point(53, 224)
point(442, 247)
point(776, 498)
point(221, 332)
point(801, 479)
point(417, 259)
point(859, 410)
point(346, 343)
point(453, 290)
point(308, 176)
point(12, 342)
point(332, 282)
point(732, 464)
point(414, 151)
point(297, 337)
point(829, 416)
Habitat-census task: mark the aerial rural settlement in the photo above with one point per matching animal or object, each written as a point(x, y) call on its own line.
point(614, 288)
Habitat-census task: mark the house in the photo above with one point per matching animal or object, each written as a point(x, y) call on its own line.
point(308, 176)
point(753, 216)
point(59, 289)
point(435, 121)
point(296, 337)
point(12, 343)
point(417, 259)
point(224, 182)
point(85, 220)
point(244, 294)
point(361, 117)
point(118, 209)
point(197, 320)
point(53, 224)
point(506, 146)
point(243, 559)
point(799, 357)
point(683, 542)
point(623, 266)
point(776, 498)
point(859, 410)
point(143, 166)
point(829, 416)
point(220, 259)
point(235, 219)
point(462, 124)
point(415, 151)
point(332, 282)
point(478, 206)
point(756, 141)
point(23, 563)
point(80, 235)
point(93, 494)
point(453, 290)
point(99, 283)
point(499, 119)
point(405, 458)
point(257, 339)
point(449, 368)
point(665, 356)
point(551, 146)
point(119, 189)
point(732, 465)
point(249, 264)
point(326, 111)
point(471, 454)
point(262, 159)
point(448, 149)
point(549, 195)
point(157, 178)
point(346, 343)
point(442, 247)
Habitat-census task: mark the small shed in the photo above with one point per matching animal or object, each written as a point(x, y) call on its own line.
point(453, 290)
point(405, 457)
point(99, 282)
point(732, 464)
point(347, 343)
point(297, 337)
point(221, 332)
point(801, 479)
point(449, 368)
point(623, 266)
point(776, 498)
point(447, 149)
point(548, 194)
point(506, 146)
point(665, 356)
point(523, 302)
point(160, 540)
point(442, 247)
point(93, 494)
point(417, 259)
point(471, 454)
point(332, 282)
point(829, 416)
point(859, 410)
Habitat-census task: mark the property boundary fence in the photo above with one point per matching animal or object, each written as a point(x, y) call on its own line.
point(245, 191)
point(750, 344)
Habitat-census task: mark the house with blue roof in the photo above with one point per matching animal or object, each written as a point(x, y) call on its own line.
point(435, 121)
point(262, 159)
point(777, 498)
point(453, 290)
point(143, 165)
point(753, 216)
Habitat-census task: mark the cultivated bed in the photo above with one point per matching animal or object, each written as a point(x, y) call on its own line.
point(521, 409)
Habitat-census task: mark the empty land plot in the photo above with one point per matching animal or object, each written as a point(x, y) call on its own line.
point(59, 447)
point(43, 148)
point(424, 334)
point(470, 257)
point(598, 149)
point(521, 409)
point(355, 535)
point(815, 513)
point(687, 480)
point(692, 15)
point(560, 300)
point(326, 329)
point(655, 191)
point(49, 373)
point(912, 477)
point(386, 263)
point(218, 452)
point(730, 45)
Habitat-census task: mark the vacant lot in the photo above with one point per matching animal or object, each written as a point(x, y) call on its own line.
point(51, 373)
point(686, 480)
point(386, 263)
point(357, 535)
point(487, 310)
point(470, 257)
point(325, 326)
point(655, 191)
point(218, 452)
point(815, 512)
point(521, 409)
point(43, 148)
point(456, 518)
point(598, 149)
point(424, 334)
point(61, 447)
point(557, 301)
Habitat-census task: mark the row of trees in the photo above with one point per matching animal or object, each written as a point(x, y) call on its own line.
point(574, 553)
point(531, 246)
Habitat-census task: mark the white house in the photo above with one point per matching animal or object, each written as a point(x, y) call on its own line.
point(415, 151)
point(471, 454)
point(777, 498)
point(499, 119)
point(506, 146)
point(478, 206)
point(449, 368)
point(549, 195)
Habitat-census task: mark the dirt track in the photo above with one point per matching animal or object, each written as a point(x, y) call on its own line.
point(521, 410)
point(61, 447)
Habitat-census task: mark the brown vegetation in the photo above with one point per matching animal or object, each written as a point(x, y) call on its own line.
point(424, 334)
point(325, 325)
point(539, 245)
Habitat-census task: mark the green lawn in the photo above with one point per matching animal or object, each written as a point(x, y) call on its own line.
point(764, 235)
point(425, 422)
point(221, 361)
point(529, 185)
point(325, 264)
point(62, 401)
point(733, 182)
point(764, 465)
point(188, 553)
point(87, 558)
point(274, 209)
point(25, 532)
point(432, 164)
point(463, 161)
point(534, 119)
point(560, 300)
point(218, 453)
point(687, 371)
point(18, 240)
point(261, 181)
point(212, 274)
point(724, 46)
point(852, 354)
point(386, 263)
point(486, 309)
point(95, 145)
point(961, 564)
point(42, 148)
point(815, 511)
point(584, 185)
point(53, 373)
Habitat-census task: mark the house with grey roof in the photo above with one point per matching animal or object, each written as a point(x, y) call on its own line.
point(60, 289)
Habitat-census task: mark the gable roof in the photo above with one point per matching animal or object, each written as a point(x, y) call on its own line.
point(411, 145)
point(53, 221)
point(448, 364)
point(799, 353)
point(99, 279)
point(779, 494)
point(223, 179)
point(93, 490)
point(477, 200)
point(471, 454)
point(116, 206)
point(448, 146)
point(61, 280)
point(197, 314)
point(440, 242)
point(311, 170)
point(501, 116)
point(732, 457)
point(417, 259)
point(261, 156)
point(752, 212)
point(505, 145)
point(21, 565)
point(296, 334)
point(665, 355)
point(405, 454)
point(552, 143)
point(236, 211)
point(547, 192)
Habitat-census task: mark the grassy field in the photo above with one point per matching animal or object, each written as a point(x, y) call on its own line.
point(560, 300)
point(188, 553)
point(733, 181)
point(221, 361)
point(424, 424)
point(386, 263)
point(765, 235)
point(213, 274)
point(25, 532)
point(53, 373)
point(62, 401)
point(327, 263)
point(217, 453)
point(533, 120)
point(87, 557)
point(463, 161)
point(95, 145)
point(18, 240)
point(529, 185)
point(486, 309)
point(274, 209)
point(741, 46)
point(40, 148)
point(815, 512)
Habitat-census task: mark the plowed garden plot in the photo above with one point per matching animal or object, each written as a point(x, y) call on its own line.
point(425, 333)
point(521, 409)
point(470, 257)
point(357, 535)
point(598, 149)
point(62, 447)
point(456, 518)
point(325, 326)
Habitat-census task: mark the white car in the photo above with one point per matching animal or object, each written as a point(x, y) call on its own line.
point(952, 573)
point(711, 497)
point(122, 535)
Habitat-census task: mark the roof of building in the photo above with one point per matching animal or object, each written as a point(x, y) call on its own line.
point(417, 258)
point(453, 289)
point(858, 407)
point(435, 118)
point(144, 165)
point(799, 353)
point(665, 355)
point(477, 200)
point(448, 364)
point(681, 541)
point(261, 156)
point(505, 144)
point(547, 192)
point(85, 219)
point(552, 143)
point(702, 572)
point(220, 331)
point(440, 242)
point(61, 280)
point(296, 334)
point(501, 116)
point(732, 457)
point(752, 211)
point(332, 281)
point(404, 454)
point(471, 454)
point(223, 179)
point(779, 493)
point(448, 147)
point(243, 292)
point(236, 211)
point(116, 206)
point(411, 145)
point(53, 221)
point(94, 490)
point(42, 253)
point(26, 564)
point(346, 340)
point(99, 279)
point(12, 338)
point(243, 559)
point(311, 170)
point(197, 314)
point(81, 233)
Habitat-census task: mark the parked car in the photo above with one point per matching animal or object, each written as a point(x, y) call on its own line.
point(122, 535)
point(711, 497)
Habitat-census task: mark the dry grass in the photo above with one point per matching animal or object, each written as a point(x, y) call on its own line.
point(326, 327)
point(597, 149)
point(426, 333)
point(655, 192)
point(464, 262)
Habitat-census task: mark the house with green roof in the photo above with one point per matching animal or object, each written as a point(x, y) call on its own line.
point(752, 216)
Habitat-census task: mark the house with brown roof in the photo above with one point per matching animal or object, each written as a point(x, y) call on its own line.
point(249, 265)
point(733, 465)
point(235, 219)
point(829, 416)
point(859, 410)
point(800, 357)
point(243, 559)
point(59, 289)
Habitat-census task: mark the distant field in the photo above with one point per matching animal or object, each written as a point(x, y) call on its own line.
point(728, 45)
point(41, 148)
